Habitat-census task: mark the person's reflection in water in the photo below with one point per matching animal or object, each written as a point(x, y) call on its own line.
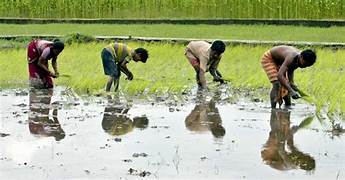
point(205, 117)
point(40, 123)
point(279, 151)
point(117, 122)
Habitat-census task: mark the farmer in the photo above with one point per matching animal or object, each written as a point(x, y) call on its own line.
point(279, 63)
point(204, 57)
point(39, 52)
point(115, 56)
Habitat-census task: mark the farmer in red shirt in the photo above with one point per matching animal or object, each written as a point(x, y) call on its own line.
point(39, 52)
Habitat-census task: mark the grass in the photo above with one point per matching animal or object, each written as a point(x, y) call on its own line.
point(274, 9)
point(168, 70)
point(247, 32)
point(6, 44)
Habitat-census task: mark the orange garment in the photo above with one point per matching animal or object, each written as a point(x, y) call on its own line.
point(271, 70)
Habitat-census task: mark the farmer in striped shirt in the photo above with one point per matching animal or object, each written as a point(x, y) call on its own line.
point(279, 63)
point(115, 56)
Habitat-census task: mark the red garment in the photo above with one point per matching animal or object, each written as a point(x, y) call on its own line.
point(36, 73)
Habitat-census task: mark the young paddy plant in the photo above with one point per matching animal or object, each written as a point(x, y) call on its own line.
point(167, 70)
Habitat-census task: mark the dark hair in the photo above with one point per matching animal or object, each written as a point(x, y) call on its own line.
point(57, 44)
point(218, 46)
point(218, 131)
point(309, 56)
point(143, 54)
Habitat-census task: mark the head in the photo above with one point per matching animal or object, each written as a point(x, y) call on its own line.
point(141, 122)
point(302, 160)
point(57, 47)
point(117, 124)
point(218, 131)
point(140, 54)
point(217, 48)
point(307, 58)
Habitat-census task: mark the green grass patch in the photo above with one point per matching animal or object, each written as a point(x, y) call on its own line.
point(248, 32)
point(5, 44)
point(167, 70)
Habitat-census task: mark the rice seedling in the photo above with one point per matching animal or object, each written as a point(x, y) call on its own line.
point(167, 70)
point(253, 9)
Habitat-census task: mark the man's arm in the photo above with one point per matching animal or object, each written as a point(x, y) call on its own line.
point(124, 69)
point(291, 80)
point(41, 64)
point(215, 73)
point(202, 78)
point(54, 64)
point(282, 78)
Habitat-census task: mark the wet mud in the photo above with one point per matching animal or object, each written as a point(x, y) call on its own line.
point(60, 135)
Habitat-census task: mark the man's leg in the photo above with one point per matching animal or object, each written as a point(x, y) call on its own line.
point(197, 76)
point(109, 83)
point(116, 83)
point(194, 61)
point(109, 68)
point(117, 74)
point(287, 100)
point(274, 93)
point(271, 70)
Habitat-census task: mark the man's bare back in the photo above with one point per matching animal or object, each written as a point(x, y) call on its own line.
point(282, 53)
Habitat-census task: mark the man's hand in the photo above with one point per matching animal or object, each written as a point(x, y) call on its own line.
point(294, 87)
point(218, 73)
point(219, 79)
point(52, 74)
point(57, 74)
point(130, 76)
point(294, 94)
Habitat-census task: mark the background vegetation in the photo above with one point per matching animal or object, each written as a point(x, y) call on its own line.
point(248, 32)
point(256, 9)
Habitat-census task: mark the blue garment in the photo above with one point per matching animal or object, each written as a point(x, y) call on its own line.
point(109, 66)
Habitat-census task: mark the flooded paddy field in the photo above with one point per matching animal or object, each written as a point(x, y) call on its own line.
point(60, 135)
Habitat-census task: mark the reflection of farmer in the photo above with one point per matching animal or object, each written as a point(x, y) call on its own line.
point(205, 117)
point(39, 52)
point(39, 121)
point(117, 122)
point(275, 151)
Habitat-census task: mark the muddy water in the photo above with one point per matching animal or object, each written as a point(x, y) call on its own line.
point(62, 136)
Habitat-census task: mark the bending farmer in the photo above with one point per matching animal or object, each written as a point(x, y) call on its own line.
point(39, 52)
point(115, 56)
point(279, 63)
point(204, 57)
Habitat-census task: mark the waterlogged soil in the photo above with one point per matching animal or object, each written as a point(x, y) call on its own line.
point(59, 135)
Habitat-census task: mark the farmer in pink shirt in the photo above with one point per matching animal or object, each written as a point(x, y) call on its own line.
point(39, 52)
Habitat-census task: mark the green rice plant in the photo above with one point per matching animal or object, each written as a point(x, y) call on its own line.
point(14, 66)
point(167, 9)
point(78, 38)
point(167, 70)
